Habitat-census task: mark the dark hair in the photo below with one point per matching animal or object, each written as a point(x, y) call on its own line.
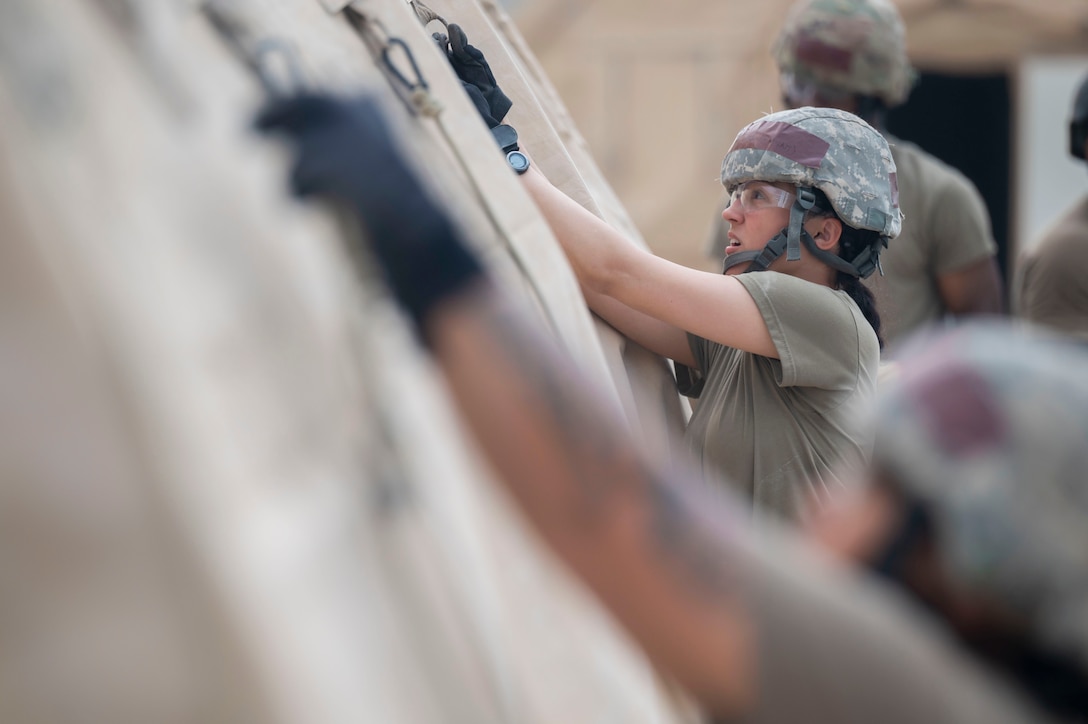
point(851, 243)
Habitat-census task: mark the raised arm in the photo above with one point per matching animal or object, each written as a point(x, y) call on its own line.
point(652, 300)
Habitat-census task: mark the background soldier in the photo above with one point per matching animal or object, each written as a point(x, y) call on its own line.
point(851, 54)
point(1052, 277)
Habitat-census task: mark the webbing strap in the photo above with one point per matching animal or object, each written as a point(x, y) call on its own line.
point(835, 262)
point(760, 259)
point(805, 201)
point(788, 240)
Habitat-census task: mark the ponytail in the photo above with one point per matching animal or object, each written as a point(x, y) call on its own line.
point(851, 243)
point(865, 300)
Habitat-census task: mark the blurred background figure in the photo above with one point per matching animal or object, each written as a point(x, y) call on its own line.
point(979, 501)
point(851, 54)
point(1052, 276)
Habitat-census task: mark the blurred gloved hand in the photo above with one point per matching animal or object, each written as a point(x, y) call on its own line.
point(346, 154)
point(476, 76)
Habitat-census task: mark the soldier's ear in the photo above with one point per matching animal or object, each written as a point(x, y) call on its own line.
point(826, 232)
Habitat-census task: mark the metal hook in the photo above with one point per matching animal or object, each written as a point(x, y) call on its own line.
point(390, 43)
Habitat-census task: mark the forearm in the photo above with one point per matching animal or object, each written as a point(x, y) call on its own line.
point(652, 555)
point(599, 254)
point(612, 272)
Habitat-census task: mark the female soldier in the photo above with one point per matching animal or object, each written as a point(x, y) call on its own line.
point(977, 500)
point(783, 356)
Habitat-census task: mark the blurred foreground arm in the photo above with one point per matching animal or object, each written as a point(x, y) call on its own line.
point(655, 561)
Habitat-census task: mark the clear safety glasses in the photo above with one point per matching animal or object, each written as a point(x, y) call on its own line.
point(759, 195)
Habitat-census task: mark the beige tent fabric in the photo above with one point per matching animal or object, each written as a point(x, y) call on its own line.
point(567, 161)
point(102, 617)
point(254, 470)
point(643, 381)
point(184, 304)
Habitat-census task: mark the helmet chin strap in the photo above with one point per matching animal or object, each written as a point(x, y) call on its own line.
point(788, 240)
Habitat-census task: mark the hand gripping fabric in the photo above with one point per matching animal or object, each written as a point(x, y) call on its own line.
point(346, 154)
point(476, 76)
point(853, 46)
point(826, 149)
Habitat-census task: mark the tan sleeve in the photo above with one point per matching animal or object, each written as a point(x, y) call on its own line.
point(820, 341)
point(958, 224)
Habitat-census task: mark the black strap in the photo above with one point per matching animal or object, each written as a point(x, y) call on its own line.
point(806, 199)
point(506, 137)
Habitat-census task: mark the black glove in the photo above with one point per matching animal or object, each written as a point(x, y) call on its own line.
point(476, 77)
point(345, 153)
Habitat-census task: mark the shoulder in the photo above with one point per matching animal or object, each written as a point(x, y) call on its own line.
point(794, 307)
point(787, 285)
point(770, 287)
point(822, 338)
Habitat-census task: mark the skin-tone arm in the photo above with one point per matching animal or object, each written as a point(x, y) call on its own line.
point(656, 557)
point(651, 300)
point(974, 289)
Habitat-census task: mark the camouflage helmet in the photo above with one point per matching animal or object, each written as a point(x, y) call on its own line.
point(985, 425)
point(851, 46)
point(826, 149)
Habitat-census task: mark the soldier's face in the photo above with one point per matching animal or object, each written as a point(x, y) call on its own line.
point(752, 225)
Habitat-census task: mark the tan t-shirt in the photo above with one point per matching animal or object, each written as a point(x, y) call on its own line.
point(945, 228)
point(1052, 278)
point(779, 428)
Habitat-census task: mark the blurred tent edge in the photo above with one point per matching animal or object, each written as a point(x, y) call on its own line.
point(233, 488)
point(660, 90)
